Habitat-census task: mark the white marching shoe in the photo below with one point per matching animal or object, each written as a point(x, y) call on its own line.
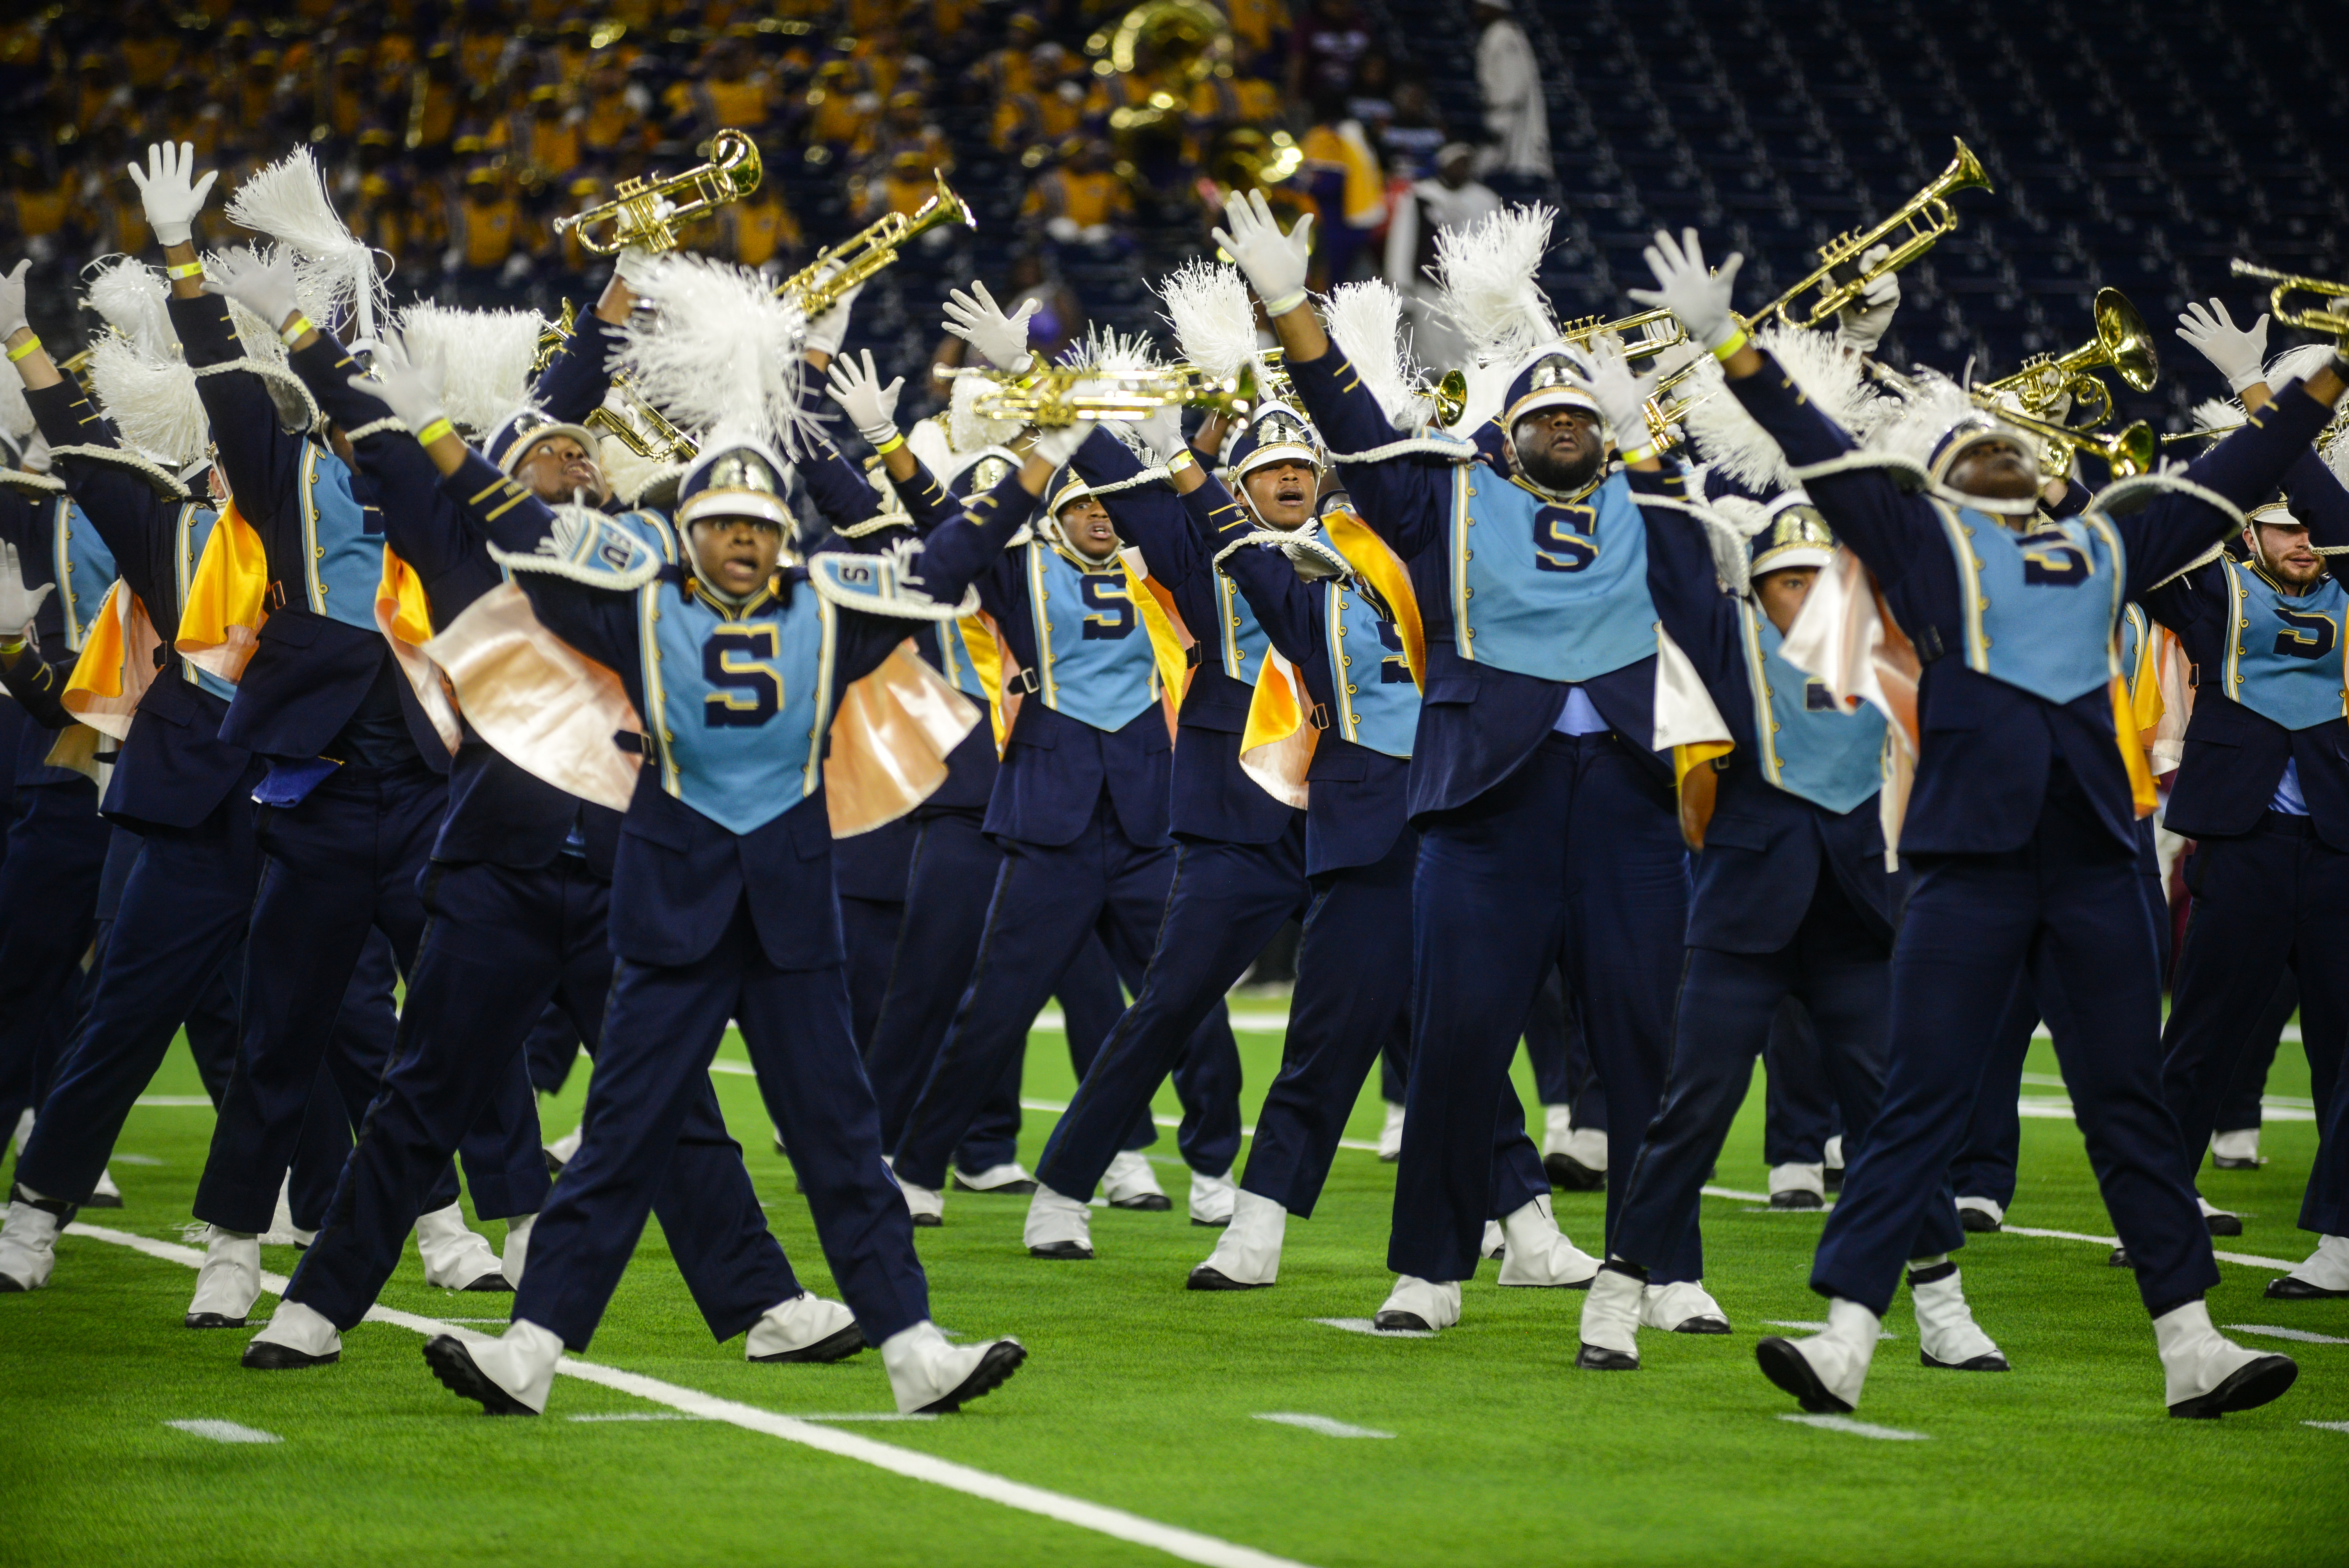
point(283, 1232)
point(1540, 1256)
point(2324, 1274)
point(928, 1208)
point(29, 1240)
point(1610, 1323)
point(1574, 1157)
point(1058, 1226)
point(1211, 1198)
point(510, 1375)
point(559, 1152)
point(1980, 1215)
point(2207, 1374)
point(1833, 1154)
point(2236, 1151)
point(1391, 1134)
point(2217, 1221)
point(455, 1258)
point(297, 1336)
point(1826, 1371)
point(514, 1256)
point(1418, 1306)
point(1130, 1183)
point(106, 1194)
point(1493, 1244)
point(1798, 1186)
point(805, 1328)
point(1247, 1254)
point(929, 1376)
point(1947, 1335)
point(1011, 1181)
point(229, 1281)
point(1684, 1306)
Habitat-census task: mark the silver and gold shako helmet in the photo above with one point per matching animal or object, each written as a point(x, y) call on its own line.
point(1065, 490)
point(989, 466)
point(526, 427)
point(740, 478)
point(1278, 434)
point(1796, 535)
point(1549, 378)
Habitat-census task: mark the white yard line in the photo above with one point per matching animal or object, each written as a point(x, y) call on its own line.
point(2329, 1426)
point(1186, 1544)
point(1370, 1327)
point(1321, 1424)
point(225, 1431)
point(2300, 1335)
point(1857, 1428)
point(174, 1102)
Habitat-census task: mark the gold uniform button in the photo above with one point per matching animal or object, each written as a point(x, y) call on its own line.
point(1346, 661)
point(1467, 556)
point(1349, 691)
point(1472, 634)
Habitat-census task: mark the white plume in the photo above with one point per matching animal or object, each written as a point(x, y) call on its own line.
point(152, 398)
point(2297, 363)
point(333, 272)
point(931, 446)
point(129, 295)
point(16, 421)
point(1487, 272)
point(1912, 428)
point(1488, 389)
point(2335, 452)
point(970, 431)
point(1830, 379)
point(1215, 321)
point(1365, 321)
point(719, 350)
point(487, 355)
point(1108, 349)
point(2217, 416)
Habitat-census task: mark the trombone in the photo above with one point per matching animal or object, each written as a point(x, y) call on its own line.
point(2333, 318)
point(2123, 341)
point(2129, 451)
point(1921, 221)
point(640, 211)
point(871, 248)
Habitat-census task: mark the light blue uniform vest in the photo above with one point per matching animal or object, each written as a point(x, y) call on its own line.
point(737, 701)
point(193, 526)
point(1548, 589)
point(2289, 657)
point(1810, 748)
point(2041, 608)
point(1378, 702)
point(342, 563)
point(2135, 630)
point(84, 567)
point(954, 662)
point(1240, 639)
point(1094, 654)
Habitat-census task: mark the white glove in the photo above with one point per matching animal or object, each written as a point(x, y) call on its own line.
point(1621, 395)
point(827, 332)
point(19, 604)
point(1863, 322)
point(171, 191)
point(265, 287)
point(13, 318)
point(411, 389)
point(870, 407)
point(1161, 432)
point(1275, 264)
point(635, 267)
point(978, 320)
point(2239, 353)
point(1683, 286)
point(1057, 444)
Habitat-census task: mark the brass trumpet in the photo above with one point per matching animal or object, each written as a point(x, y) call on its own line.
point(869, 250)
point(643, 428)
point(635, 212)
point(1921, 221)
point(2335, 319)
point(1648, 341)
point(2130, 450)
point(1062, 395)
point(2123, 341)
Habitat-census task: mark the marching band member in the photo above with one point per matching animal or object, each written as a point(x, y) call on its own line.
point(2021, 826)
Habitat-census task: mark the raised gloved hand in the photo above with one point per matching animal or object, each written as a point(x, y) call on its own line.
point(1622, 395)
point(19, 604)
point(1683, 286)
point(870, 407)
point(264, 285)
point(12, 319)
point(827, 332)
point(1161, 432)
point(635, 267)
point(2239, 353)
point(1862, 324)
point(978, 320)
point(1274, 264)
point(169, 190)
point(411, 389)
point(1057, 444)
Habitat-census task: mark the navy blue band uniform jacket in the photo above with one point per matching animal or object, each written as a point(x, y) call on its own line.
point(57, 546)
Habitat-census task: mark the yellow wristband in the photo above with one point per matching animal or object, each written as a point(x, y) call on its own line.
point(1639, 456)
point(184, 270)
point(23, 349)
point(1727, 350)
point(434, 431)
point(294, 330)
point(895, 440)
point(1179, 461)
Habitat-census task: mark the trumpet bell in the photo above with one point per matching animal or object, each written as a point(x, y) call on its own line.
point(2126, 341)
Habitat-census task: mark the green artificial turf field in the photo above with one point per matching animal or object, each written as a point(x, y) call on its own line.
point(1143, 1399)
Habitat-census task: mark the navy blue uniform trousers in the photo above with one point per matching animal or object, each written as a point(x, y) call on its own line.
point(1799, 1098)
point(1837, 968)
point(1046, 900)
point(48, 912)
point(661, 1028)
point(2278, 895)
point(343, 862)
point(1574, 860)
point(2065, 907)
point(503, 946)
point(2240, 1111)
point(1224, 903)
